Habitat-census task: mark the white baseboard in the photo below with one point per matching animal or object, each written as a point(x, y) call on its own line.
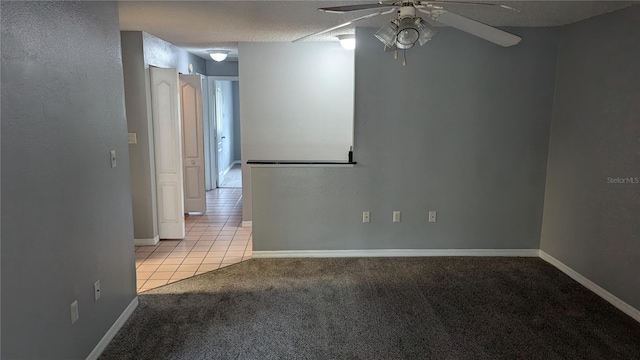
point(106, 339)
point(394, 253)
point(147, 242)
point(615, 301)
point(231, 165)
point(247, 223)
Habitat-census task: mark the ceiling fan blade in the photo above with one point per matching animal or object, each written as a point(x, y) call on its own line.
point(476, 28)
point(471, 3)
point(347, 8)
point(342, 25)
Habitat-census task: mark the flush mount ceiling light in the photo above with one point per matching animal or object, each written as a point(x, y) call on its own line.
point(218, 55)
point(347, 41)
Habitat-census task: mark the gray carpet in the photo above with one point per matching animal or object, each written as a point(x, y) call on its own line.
point(377, 308)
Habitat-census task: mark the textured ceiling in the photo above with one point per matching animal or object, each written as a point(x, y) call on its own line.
point(200, 25)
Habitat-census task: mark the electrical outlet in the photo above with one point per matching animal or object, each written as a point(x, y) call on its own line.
point(396, 216)
point(366, 217)
point(96, 290)
point(432, 216)
point(74, 312)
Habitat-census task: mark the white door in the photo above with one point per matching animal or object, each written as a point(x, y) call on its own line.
point(220, 138)
point(167, 138)
point(193, 143)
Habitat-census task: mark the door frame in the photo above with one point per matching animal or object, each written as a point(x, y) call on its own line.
point(212, 167)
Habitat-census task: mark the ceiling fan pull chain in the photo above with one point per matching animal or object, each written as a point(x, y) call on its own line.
point(404, 58)
point(395, 54)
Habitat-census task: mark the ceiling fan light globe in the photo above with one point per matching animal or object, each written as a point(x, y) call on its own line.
point(408, 33)
point(423, 41)
point(427, 32)
point(404, 46)
point(407, 37)
point(387, 34)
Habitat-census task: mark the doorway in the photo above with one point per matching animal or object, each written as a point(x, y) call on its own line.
point(222, 148)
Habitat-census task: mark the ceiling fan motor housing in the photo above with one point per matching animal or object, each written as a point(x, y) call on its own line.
point(406, 11)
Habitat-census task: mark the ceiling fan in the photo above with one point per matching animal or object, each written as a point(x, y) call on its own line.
point(407, 29)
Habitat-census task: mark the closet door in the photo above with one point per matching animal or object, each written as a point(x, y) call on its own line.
point(167, 138)
point(193, 143)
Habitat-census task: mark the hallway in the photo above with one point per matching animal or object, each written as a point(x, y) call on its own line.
point(233, 179)
point(214, 240)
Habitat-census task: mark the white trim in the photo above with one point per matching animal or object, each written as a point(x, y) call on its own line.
point(106, 339)
point(147, 242)
point(226, 171)
point(615, 301)
point(393, 253)
point(231, 165)
point(247, 223)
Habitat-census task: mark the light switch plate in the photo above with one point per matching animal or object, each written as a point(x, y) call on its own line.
point(96, 290)
point(113, 158)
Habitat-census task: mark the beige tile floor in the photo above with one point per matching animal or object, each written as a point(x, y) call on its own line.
point(214, 240)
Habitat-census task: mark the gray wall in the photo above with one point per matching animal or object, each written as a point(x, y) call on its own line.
point(237, 139)
point(296, 103)
point(462, 129)
point(224, 68)
point(69, 221)
point(592, 225)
